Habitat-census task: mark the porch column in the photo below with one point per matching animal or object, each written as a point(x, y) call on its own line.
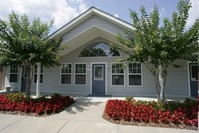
point(38, 80)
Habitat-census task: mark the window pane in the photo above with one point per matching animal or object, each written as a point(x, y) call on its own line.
point(13, 77)
point(65, 79)
point(99, 49)
point(35, 78)
point(98, 73)
point(66, 68)
point(80, 68)
point(194, 73)
point(134, 79)
point(80, 79)
point(134, 67)
point(13, 69)
point(117, 68)
point(117, 79)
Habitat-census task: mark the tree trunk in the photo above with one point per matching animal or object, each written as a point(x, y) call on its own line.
point(158, 88)
point(163, 88)
point(28, 81)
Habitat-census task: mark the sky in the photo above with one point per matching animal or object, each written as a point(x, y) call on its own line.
point(62, 11)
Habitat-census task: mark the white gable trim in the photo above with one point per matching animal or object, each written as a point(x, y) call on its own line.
point(84, 37)
point(87, 14)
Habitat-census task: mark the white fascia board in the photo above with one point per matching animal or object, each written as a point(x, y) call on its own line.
point(87, 14)
point(114, 19)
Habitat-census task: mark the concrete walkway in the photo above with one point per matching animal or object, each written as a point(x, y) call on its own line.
point(85, 116)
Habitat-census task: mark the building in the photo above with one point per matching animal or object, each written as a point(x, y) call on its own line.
point(90, 65)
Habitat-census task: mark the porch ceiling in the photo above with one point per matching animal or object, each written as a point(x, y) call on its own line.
point(85, 37)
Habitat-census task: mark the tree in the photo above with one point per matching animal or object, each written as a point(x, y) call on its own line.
point(158, 47)
point(26, 43)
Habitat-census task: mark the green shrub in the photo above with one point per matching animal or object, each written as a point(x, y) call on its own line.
point(16, 97)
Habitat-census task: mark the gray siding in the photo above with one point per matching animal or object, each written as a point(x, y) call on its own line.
point(177, 81)
point(92, 21)
point(177, 84)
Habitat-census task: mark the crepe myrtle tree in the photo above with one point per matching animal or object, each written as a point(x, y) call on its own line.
point(26, 44)
point(158, 47)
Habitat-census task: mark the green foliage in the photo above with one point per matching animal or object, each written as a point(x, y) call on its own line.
point(169, 105)
point(158, 47)
point(15, 97)
point(26, 43)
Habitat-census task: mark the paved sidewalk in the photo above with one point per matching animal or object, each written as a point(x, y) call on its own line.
point(85, 116)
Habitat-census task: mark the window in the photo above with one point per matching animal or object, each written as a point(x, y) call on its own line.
point(99, 49)
point(41, 74)
point(66, 73)
point(117, 73)
point(14, 73)
point(194, 73)
point(135, 74)
point(80, 74)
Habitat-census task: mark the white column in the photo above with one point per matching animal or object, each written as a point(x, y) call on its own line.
point(38, 80)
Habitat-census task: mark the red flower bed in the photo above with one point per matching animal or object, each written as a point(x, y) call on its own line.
point(39, 106)
point(148, 112)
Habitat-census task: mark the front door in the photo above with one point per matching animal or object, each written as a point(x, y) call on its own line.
point(98, 79)
point(193, 67)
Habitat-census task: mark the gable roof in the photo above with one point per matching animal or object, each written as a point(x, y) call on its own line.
point(91, 11)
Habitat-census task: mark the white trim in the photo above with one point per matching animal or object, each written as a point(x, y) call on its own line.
point(101, 40)
point(36, 74)
point(3, 78)
point(60, 92)
point(117, 74)
point(14, 73)
point(66, 73)
point(80, 74)
point(192, 64)
point(20, 78)
point(91, 73)
point(134, 74)
point(188, 70)
point(86, 15)
point(188, 73)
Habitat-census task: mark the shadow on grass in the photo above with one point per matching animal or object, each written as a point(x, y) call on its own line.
point(81, 104)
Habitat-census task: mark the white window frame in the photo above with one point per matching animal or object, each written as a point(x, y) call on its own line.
point(80, 74)
point(14, 73)
point(66, 73)
point(192, 79)
point(35, 74)
point(117, 73)
point(135, 74)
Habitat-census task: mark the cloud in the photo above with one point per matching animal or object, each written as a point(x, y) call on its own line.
point(116, 15)
point(162, 11)
point(62, 11)
point(193, 13)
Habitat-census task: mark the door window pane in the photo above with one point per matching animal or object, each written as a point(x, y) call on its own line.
point(98, 72)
